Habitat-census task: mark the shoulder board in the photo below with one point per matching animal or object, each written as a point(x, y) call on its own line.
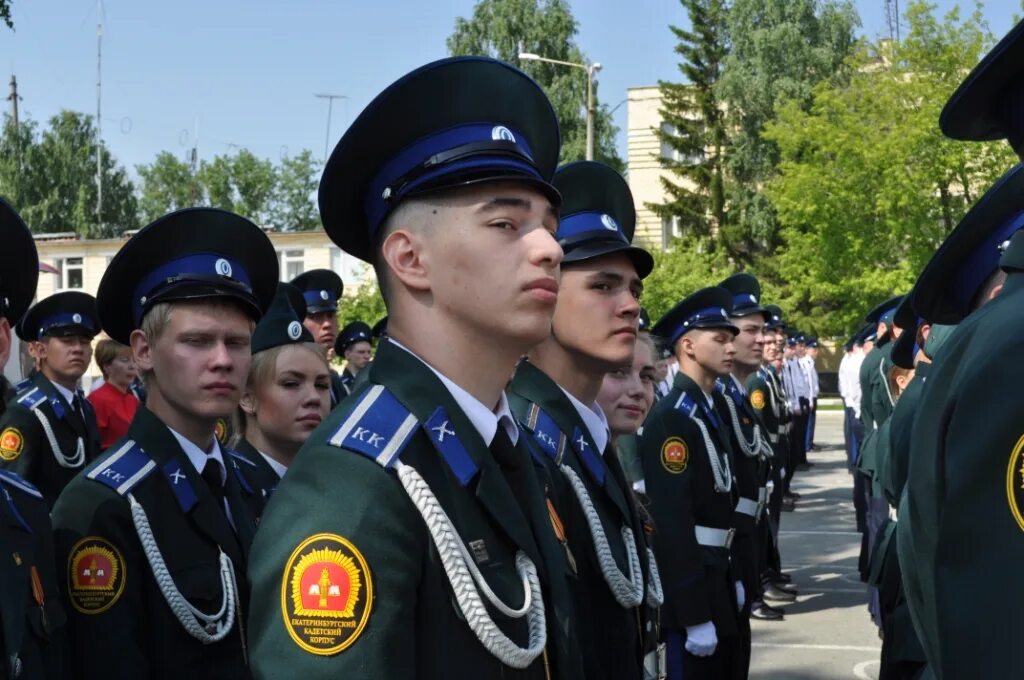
point(686, 405)
point(10, 479)
point(31, 397)
point(721, 386)
point(239, 457)
point(23, 385)
point(545, 432)
point(123, 469)
point(232, 459)
point(378, 426)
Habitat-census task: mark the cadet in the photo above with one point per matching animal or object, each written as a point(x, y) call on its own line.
point(32, 622)
point(49, 432)
point(322, 288)
point(554, 394)
point(287, 393)
point(962, 515)
point(688, 474)
point(354, 343)
point(410, 538)
point(154, 536)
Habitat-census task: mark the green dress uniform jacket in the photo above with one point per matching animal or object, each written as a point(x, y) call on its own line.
point(32, 622)
point(679, 473)
point(121, 622)
point(76, 436)
point(961, 526)
point(262, 476)
point(345, 495)
point(612, 635)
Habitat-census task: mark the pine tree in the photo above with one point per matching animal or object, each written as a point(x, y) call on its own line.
point(693, 126)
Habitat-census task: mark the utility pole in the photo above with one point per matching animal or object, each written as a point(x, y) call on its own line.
point(330, 107)
point(13, 99)
point(99, 120)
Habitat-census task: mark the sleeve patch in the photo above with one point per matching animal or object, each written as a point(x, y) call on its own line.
point(96, 575)
point(11, 443)
point(1015, 483)
point(674, 455)
point(326, 594)
point(757, 399)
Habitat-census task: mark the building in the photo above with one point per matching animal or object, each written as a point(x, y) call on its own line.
point(69, 262)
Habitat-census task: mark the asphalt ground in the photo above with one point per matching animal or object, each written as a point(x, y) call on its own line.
point(827, 633)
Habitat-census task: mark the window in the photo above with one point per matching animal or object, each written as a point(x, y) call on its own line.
point(293, 263)
point(351, 270)
point(72, 273)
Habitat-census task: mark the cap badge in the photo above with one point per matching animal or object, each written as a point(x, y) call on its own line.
point(294, 330)
point(77, 318)
point(324, 295)
point(609, 223)
point(503, 134)
point(222, 267)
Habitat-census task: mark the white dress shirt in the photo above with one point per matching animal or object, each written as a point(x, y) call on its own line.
point(278, 468)
point(795, 380)
point(483, 419)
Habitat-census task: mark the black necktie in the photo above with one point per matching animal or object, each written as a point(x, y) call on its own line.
point(211, 475)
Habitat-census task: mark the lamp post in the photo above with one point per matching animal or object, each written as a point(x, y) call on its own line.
point(591, 69)
point(330, 107)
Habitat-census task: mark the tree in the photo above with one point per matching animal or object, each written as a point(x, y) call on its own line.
point(504, 28)
point(5, 13)
point(168, 184)
point(243, 184)
point(51, 177)
point(867, 185)
point(366, 305)
point(679, 271)
point(693, 125)
point(779, 50)
point(294, 204)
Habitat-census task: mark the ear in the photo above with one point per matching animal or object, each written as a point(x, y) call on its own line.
point(142, 350)
point(5, 342)
point(405, 254)
point(248, 404)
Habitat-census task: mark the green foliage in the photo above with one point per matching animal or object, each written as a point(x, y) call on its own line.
point(365, 305)
point(778, 51)
point(693, 125)
point(282, 195)
point(684, 268)
point(5, 13)
point(50, 175)
point(504, 28)
point(867, 185)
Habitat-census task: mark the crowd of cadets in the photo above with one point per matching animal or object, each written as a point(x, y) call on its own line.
point(611, 511)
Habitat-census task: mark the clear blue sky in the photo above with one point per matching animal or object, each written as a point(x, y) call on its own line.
point(247, 70)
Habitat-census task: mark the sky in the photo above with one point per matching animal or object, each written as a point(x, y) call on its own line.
point(234, 73)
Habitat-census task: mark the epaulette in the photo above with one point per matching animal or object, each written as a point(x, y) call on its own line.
point(545, 432)
point(239, 457)
point(235, 457)
point(123, 469)
point(378, 426)
point(686, 405)
point(30, 398)
point(23, 385)
point(10, 479)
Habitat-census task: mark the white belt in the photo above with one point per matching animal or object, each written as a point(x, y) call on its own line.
point(746, 506)
point(714, 538)
point(773, 438)
point(893, 514)
point(762, 495)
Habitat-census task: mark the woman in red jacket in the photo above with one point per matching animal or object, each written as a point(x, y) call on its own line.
point(114, 403)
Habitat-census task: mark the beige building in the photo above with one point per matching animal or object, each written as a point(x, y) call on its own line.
point(643, 161)
point(79, 265)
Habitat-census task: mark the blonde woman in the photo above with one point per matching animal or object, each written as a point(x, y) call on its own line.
point(287, 393)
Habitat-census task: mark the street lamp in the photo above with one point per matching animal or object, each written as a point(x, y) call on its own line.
point(591, 69)
point(330, 107)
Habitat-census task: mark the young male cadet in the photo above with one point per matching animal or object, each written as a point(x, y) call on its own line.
point(354, 344)
point(688, 474)
point(49, 433)
point(554, 394)
point(410, 538)
point(752, 452)
point(960, 520)
point(32, 621)
point(322, 289)
point(154, 536)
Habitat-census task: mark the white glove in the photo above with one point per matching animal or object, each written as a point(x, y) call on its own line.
point(741, 596)
point(701, 639)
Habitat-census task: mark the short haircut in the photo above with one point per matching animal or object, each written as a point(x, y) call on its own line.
point(107, 351)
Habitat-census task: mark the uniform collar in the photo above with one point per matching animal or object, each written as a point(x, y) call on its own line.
point(69, 395)
point(483, 419)
point(277, 467)
point(198, 457)
point(738, 384)
point(594, 418)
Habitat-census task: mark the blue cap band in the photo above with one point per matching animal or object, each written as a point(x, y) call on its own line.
point(319, 298)
point(589, 225)
point(199, 266)
point(714, 314)
point(742, 301)
point(460, 149)
point(65, 319)
point(981, 263)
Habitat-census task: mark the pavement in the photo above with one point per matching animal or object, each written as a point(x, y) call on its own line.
point(827, 634)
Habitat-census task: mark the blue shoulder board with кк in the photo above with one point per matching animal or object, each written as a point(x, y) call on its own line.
point(124, 468)
point(378, 426)
point(31, 397)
